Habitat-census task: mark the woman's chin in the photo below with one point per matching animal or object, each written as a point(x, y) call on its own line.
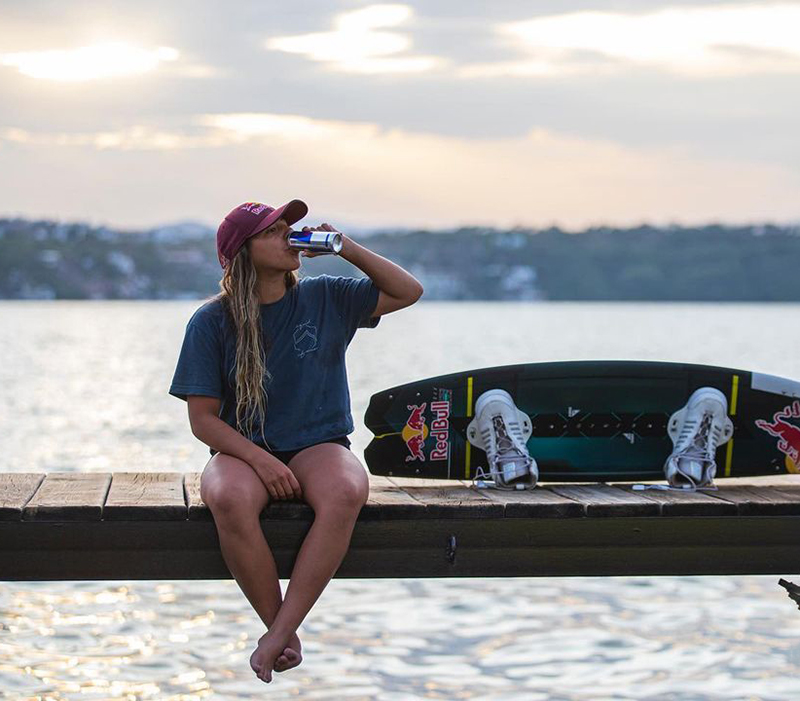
point(285, 266)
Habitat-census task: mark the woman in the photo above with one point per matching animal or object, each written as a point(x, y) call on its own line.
point(262, 371)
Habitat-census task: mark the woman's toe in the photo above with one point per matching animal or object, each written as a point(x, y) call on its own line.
point(290, 658)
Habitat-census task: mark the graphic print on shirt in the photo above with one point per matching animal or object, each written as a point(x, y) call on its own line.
point(305, 338)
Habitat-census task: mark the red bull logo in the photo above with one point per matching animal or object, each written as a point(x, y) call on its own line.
point(254, 207)
point(441, 430)
point(416, 431)
point(787, 433)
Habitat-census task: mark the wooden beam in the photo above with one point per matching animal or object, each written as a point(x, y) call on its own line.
point(513, 547)
point(126, 525)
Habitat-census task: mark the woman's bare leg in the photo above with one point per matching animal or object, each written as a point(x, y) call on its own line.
point(336, 486)
point(236, 497)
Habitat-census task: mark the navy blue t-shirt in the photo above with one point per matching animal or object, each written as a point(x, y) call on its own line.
point(309, 328)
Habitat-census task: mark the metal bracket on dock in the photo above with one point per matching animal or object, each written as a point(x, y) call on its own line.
point(450, 550)
point(792, 589)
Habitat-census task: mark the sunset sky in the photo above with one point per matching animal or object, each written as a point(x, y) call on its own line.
point(433, 114)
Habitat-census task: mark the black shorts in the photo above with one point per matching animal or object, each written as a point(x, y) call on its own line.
point(286, 455)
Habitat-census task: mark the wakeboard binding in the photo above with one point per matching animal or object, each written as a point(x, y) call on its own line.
point(697, 430)
point(502, 431)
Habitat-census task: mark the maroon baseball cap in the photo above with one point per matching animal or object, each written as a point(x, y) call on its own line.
point(248, 219)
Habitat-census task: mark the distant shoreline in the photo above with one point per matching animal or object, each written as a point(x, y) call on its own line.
point(44, 260)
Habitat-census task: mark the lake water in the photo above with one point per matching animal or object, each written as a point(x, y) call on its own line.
point(83, 387)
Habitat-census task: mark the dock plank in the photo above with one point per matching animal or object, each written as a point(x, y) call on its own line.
point(755, 500)
point(16, 490)
point(69, 496)
point(444, 499)
point(675, 503)
point(605, 500)
point(387, 500)
point(154, 496)
point(540, 502)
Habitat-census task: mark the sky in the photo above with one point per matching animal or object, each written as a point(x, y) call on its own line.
point(573, 113)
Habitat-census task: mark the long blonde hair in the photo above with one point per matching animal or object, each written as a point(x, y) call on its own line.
point(240, 298)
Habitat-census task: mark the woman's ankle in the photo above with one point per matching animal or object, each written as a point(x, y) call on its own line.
point(284, 635)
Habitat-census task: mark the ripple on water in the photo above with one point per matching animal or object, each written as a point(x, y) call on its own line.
point(193, 639)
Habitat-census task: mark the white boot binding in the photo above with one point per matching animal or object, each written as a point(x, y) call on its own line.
point(502, 431)
point(697, 430)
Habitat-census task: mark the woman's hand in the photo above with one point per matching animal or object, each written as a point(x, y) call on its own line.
point(277, 478)
point(324, 227)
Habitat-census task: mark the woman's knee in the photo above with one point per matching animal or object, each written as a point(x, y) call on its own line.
point(230, 487)
point(346, 495)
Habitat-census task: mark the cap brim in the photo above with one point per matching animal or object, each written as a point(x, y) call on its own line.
point(292, 212)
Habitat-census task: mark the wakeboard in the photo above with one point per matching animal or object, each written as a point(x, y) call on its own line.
point(591, 420)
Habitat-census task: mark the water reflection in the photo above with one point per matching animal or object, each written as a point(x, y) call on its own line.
point(84, 386)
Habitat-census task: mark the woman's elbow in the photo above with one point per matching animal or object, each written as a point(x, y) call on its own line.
point(413, 297)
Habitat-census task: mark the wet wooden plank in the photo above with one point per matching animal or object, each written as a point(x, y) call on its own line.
point(605, 500)
point(674, 503)
point(16, 490)
point(69, 496)
point(444, 499)
point(145, 496)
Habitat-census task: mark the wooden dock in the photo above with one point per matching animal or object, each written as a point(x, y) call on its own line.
point(126, 525)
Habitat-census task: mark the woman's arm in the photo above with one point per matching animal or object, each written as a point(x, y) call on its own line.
point(215, 433)
point(398, 288)
point(206, 425)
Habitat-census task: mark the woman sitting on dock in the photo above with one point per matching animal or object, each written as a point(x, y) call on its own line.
point(263, 372)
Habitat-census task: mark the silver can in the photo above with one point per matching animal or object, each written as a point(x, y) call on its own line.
point(316, 241)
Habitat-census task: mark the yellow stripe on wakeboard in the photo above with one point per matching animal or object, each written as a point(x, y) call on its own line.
point(734, 398)
point(469, 414)
point(384, 435)
point(734, 394)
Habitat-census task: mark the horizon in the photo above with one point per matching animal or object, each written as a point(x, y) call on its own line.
point(359, 231)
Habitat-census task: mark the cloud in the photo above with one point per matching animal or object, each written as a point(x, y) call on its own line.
point(215, 131)
point(361, 173)
point(88, 62)
point(358, 43)
point(134, 138)
point(241, 126)
point(695, 42)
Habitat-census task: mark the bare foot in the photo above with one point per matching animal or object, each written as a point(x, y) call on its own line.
point(265, 656)
point(291, 655)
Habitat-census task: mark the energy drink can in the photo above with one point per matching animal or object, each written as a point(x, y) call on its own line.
point(316, 241)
